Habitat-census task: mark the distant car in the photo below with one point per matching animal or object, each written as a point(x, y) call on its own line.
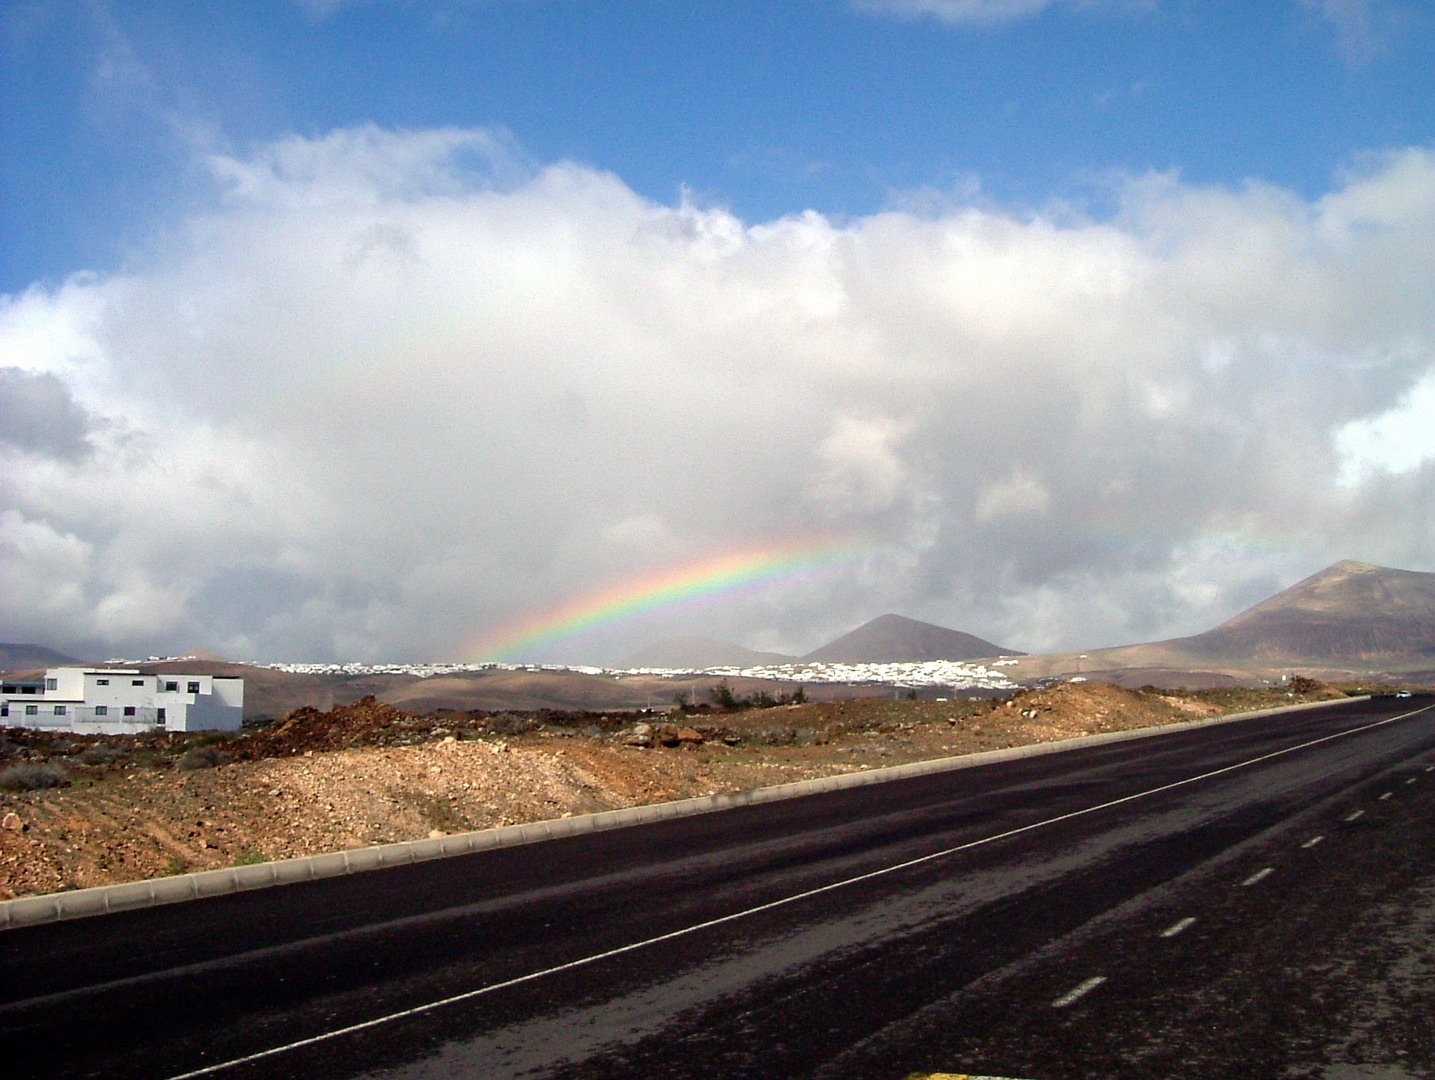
point(1403, 693)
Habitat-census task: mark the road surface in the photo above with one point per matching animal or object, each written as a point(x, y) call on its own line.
point(1253, 899)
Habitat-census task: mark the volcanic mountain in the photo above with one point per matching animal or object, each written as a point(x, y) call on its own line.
point(31, 658)
point(1350, 616)
point(1349, 613)
point(891, 639)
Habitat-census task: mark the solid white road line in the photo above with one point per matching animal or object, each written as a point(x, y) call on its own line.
point(1176, 928)
point(782, 901)
point(1259, 875)
point(1077, 993)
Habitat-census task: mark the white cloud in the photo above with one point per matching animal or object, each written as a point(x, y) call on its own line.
point(956, 11)
point(862, 469)
point(981, 12)
point(1017, 495)
point(1398, 440)
point(1359, 25)
point(394, 389)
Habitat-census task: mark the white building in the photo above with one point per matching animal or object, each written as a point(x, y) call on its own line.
point(121, 701)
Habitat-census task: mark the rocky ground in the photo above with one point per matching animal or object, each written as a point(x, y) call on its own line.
point(82, 811)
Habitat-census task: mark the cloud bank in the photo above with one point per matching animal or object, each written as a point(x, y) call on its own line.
point(392, 390)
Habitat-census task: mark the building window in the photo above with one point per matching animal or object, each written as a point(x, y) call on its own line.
point(136, 682)
point(193, 688)
point(59, 710)
point(102, 682)
point(4, 708)
point(159, 716)
point(129, 710)
point(102, 710)
point(32, 710)
point(51, 684)
point(171, 688)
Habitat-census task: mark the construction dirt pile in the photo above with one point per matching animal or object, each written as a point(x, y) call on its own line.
point(78, 811)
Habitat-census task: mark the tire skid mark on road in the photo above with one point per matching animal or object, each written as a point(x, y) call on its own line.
point(1080, 991)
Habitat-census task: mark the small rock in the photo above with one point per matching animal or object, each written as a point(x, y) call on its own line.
point(12, 823)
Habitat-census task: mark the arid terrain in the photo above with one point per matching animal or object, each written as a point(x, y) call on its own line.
point(82, 811)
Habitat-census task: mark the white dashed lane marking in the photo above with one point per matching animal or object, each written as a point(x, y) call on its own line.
point(1354, 816)
point(1077, 993)
point(468, 995)
point(1259, 875)
point(1386, 796)
point(1412, 779)
point(1176, 928)
point(1313, 841)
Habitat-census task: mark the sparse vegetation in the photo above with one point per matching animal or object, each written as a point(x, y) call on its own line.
point(206, 756)
point(32, 777)
point(726, 701)
point(97, 755)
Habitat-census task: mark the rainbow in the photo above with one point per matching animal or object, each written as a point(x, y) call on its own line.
point(708, 579)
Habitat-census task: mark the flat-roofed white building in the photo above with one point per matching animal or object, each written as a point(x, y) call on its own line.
point(122, 701)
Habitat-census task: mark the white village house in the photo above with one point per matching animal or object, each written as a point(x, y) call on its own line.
point(122, 701)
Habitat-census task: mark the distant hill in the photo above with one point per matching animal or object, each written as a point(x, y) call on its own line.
point(32, 657)
point(890, 639)
point(1349, 613)
point(694, 652)
point(1350, 616)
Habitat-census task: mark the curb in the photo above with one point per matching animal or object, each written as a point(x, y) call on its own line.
point(104, 899)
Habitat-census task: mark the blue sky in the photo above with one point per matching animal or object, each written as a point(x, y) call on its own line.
point(363, 330)
point(766, 108)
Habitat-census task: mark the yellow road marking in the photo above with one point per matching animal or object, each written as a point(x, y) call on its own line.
point(956, 1076)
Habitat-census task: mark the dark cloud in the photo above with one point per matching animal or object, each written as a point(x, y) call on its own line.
point(38, 415)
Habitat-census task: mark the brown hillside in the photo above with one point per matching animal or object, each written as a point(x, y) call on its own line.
point(1351, 613)
point(891, 639)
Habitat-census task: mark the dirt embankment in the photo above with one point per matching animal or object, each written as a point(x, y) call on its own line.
point(127, 808)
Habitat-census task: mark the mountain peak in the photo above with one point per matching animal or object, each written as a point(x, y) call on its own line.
point(1350, 612)
point(1350, 566)
point(893, 639)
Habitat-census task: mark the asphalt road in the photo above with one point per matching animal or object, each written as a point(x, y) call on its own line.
point(1248, 900)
